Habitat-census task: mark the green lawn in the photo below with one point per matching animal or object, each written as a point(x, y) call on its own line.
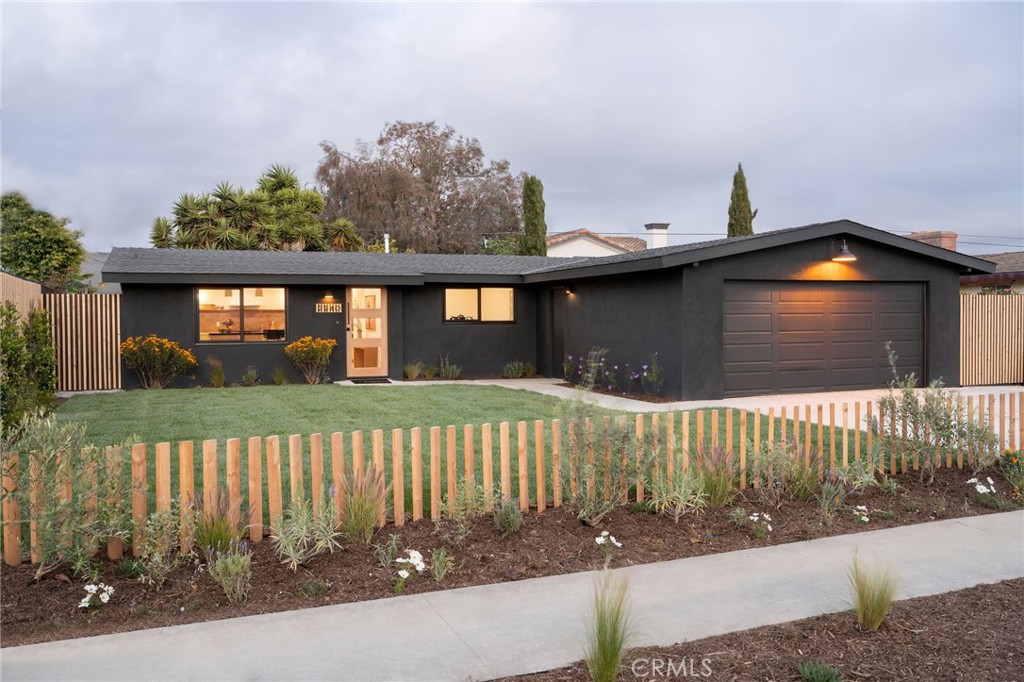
point(202, 413)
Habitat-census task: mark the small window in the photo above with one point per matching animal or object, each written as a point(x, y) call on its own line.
point(485, 304)
point(249, 314)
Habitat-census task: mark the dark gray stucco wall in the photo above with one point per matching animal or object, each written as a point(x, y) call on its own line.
point(704, 285)
point(169, 311)
point(481, 349)
point(633, 316)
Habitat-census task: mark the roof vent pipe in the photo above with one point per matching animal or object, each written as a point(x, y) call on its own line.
point(387, 243)
point(657, 235)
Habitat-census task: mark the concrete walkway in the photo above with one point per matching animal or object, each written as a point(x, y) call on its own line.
point(531, 625)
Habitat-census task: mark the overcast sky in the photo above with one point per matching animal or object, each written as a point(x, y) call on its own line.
point(900, 116)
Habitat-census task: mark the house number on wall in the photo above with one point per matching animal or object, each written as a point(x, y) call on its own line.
point(330, 307)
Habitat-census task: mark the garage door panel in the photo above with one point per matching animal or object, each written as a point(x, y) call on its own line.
point(748, 352)
point(748, 322)
point(810, 351)
point(797, 336)
point(852, 321)
point(802, 322)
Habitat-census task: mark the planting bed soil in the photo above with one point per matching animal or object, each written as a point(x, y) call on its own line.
point(644, 397)
point(972, 634)
point(550, 543)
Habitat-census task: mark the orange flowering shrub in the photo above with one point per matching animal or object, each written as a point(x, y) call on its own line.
point(156, 360)
point(311, 356)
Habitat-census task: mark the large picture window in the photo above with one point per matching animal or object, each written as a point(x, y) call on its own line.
point(247, 314)
point(481, 304)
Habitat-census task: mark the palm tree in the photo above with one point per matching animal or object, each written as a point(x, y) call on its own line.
point(161, 235)
point(342, 236)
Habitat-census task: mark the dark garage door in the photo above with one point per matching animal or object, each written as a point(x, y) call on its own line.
point(792, 337)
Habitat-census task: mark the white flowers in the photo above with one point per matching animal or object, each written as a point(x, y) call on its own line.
point(403, 574)
point(606, 537)
point(981, 487)
point(414, 559)
point(860, 514)
point(100, 591)
point(765, 519)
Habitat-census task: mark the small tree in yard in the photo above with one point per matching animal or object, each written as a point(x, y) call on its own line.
point(741, 218)
point(533, 240)
point(311, 356)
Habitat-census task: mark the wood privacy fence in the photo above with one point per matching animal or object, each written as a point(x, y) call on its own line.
point(539, 464)
point(87, 337)
point(991, 340)
point(24, 294)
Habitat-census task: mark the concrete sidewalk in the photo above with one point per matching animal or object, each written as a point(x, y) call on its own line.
point(531, 625)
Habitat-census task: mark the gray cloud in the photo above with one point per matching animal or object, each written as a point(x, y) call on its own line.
point(904, 116)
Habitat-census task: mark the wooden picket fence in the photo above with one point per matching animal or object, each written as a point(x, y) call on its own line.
point(991, 340)
point(537, 450)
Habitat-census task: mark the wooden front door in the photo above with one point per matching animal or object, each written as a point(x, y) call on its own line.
point(367, 321)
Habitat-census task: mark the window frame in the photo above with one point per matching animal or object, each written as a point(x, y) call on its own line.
point(479, 305)
point(241, 314)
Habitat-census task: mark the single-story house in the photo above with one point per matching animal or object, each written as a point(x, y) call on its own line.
point(1007, 278)
point(584, 243)
point(802, 309)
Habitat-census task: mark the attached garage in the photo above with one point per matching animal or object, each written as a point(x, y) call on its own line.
point(799, 337)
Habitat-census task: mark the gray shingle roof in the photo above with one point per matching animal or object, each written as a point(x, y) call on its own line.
point(1010, 261)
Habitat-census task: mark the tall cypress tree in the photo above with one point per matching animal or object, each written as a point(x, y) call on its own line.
point(741, 218)
point(535, 229)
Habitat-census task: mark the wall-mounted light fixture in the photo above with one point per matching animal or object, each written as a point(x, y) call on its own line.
point(568, 290)
point(259, 292)
point(328, 295)
point(841, 252)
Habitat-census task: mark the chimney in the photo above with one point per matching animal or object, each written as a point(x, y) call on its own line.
point(657, 235)
point(943, 240)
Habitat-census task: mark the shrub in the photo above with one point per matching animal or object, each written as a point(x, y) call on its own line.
point(818, 671)
point(27, 364)
point(213, 529)
point(459, 514)
point(529, 371)
point(157, 361)
point(440, 563)
point(508, 518)
point(311, 356)
point(251, 376)
point(159, 536)
point(216, 373)
point(280, 376)
point(448, 370)
point(515, 369)
point(429, 371)
point(718, 475)
point(935, 424)
point(679, 494)
point(780, 472)
point(365, 497)
point(873, 593)
point(386, 552)
point(304, 532)
point(609, 628)
point(1011, 464)
point(830, 498)
point(232, 569)
point(69, 529)
point(412, 370)
point(650, 376)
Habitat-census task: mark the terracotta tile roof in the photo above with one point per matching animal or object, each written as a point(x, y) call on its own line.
point(628, 244)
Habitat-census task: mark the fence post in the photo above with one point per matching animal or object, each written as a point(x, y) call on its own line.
point(684, 442)
point(316, 469)
point(450, 462)
point(506, 464)
point(338, 474)
point(757, 445)
point(639, 457)
point(274, 481)
point(233, 473)
point(186, 495)
point(556, 462)
point(298, 486)
point(378, 465)
point(139, 494)
point(255, 456)
point(435, 472)
point(416, 450)
point(398, 476)
point(670, 445)
point(162, 456)
point(538, 448)
point(524, 470)
point(115, 546)
point(487, 453)
point(743, 449)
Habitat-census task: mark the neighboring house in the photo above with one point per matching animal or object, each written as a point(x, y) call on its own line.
point(586, 244)
point(92, 269)
point(1008, 277)
point(772, 312)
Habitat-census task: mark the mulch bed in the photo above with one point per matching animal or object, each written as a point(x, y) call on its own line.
point(551, 543)
point(643, 397)
point(973, 634)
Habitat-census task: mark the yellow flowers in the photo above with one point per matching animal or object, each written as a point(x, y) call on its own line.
point(156, 360)
point(311, 356)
